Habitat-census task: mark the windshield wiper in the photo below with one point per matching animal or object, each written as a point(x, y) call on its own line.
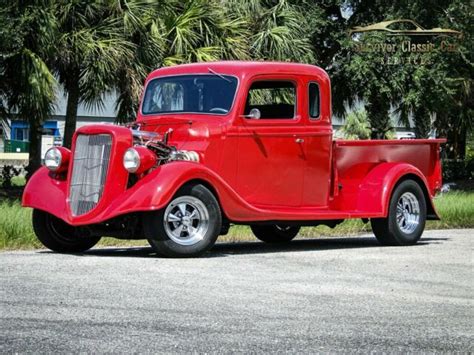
point(219, 75)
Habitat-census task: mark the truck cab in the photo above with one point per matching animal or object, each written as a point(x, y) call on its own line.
point(224, 143)
point(288, 134)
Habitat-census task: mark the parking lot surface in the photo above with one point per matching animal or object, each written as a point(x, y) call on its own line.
point(339, 294)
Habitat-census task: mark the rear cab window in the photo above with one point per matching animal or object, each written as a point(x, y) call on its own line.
point(314, 101)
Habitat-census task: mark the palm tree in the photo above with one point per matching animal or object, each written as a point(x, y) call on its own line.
point(176, 32)
point(90, 49)
point(200, 30)
point(277, 29)
point(141, 28)
point(26, 83)
point(172, 32)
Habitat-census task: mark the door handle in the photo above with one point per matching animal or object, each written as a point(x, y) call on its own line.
point(299, 140)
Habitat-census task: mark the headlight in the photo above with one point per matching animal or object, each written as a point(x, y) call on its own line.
point(138, 159)
point(57, 159)
point(131, 160)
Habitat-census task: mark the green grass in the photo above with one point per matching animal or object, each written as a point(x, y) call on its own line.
point(15, 227)
point(18, 181)
point(456, 210)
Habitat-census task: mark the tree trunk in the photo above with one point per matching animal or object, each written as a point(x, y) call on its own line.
point(377, 113)
point(461, 153)
point(422, 122)
point(73, 96)
point(456, 144)
point(34, 160)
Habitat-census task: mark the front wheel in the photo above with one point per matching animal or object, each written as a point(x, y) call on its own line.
point(275, 233)
point(188, 226)
point(57, 235)
point(406, 218)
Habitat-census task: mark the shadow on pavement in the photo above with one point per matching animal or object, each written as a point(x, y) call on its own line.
point(227, 249)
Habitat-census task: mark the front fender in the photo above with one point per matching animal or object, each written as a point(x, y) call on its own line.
point(157, 189)
point(376, 188)
point(47, 192)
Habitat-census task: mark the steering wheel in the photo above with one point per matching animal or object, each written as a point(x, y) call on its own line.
point(218, 109)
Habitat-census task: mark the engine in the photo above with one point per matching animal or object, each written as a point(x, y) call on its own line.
point(145, 142)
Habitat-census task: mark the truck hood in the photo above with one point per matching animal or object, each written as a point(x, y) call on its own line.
point(164, 123)
point(177, 126)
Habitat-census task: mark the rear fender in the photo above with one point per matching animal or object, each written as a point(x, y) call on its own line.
point(376, 188)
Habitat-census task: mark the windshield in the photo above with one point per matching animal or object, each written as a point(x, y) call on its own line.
point(213, 93)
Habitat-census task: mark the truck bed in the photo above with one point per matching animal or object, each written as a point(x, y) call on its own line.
point(354, 160)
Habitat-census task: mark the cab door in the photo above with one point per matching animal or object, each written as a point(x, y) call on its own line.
point(316, 116)
point(271, 156)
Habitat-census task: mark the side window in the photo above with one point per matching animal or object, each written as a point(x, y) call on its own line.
point(313, 97)
point(274, 99)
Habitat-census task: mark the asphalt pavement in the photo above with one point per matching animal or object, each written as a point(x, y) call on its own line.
point(322, 295)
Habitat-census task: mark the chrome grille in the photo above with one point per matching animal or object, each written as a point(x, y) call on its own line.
point(89, 171)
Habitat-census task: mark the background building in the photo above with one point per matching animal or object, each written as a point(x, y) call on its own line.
point(14, 132)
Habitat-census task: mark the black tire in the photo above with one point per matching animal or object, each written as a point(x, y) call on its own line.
point(388, 230)
point(58, 236)
point(195, 236)
point(275, 234)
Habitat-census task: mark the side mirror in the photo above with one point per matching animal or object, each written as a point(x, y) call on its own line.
point(254, 114)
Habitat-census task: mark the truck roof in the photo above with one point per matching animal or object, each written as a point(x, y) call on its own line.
point(241, 68)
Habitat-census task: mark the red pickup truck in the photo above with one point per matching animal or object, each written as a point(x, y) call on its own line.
point(224, 143)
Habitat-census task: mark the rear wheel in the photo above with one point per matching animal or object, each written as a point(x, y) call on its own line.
point(57, 235)
point(406, 218)
point(188, 226)
point(275, 233)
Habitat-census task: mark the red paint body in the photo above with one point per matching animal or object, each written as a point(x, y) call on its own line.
point(260, 170)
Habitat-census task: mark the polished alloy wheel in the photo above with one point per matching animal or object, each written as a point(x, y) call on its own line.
point(186, 220)
point(408, 212)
